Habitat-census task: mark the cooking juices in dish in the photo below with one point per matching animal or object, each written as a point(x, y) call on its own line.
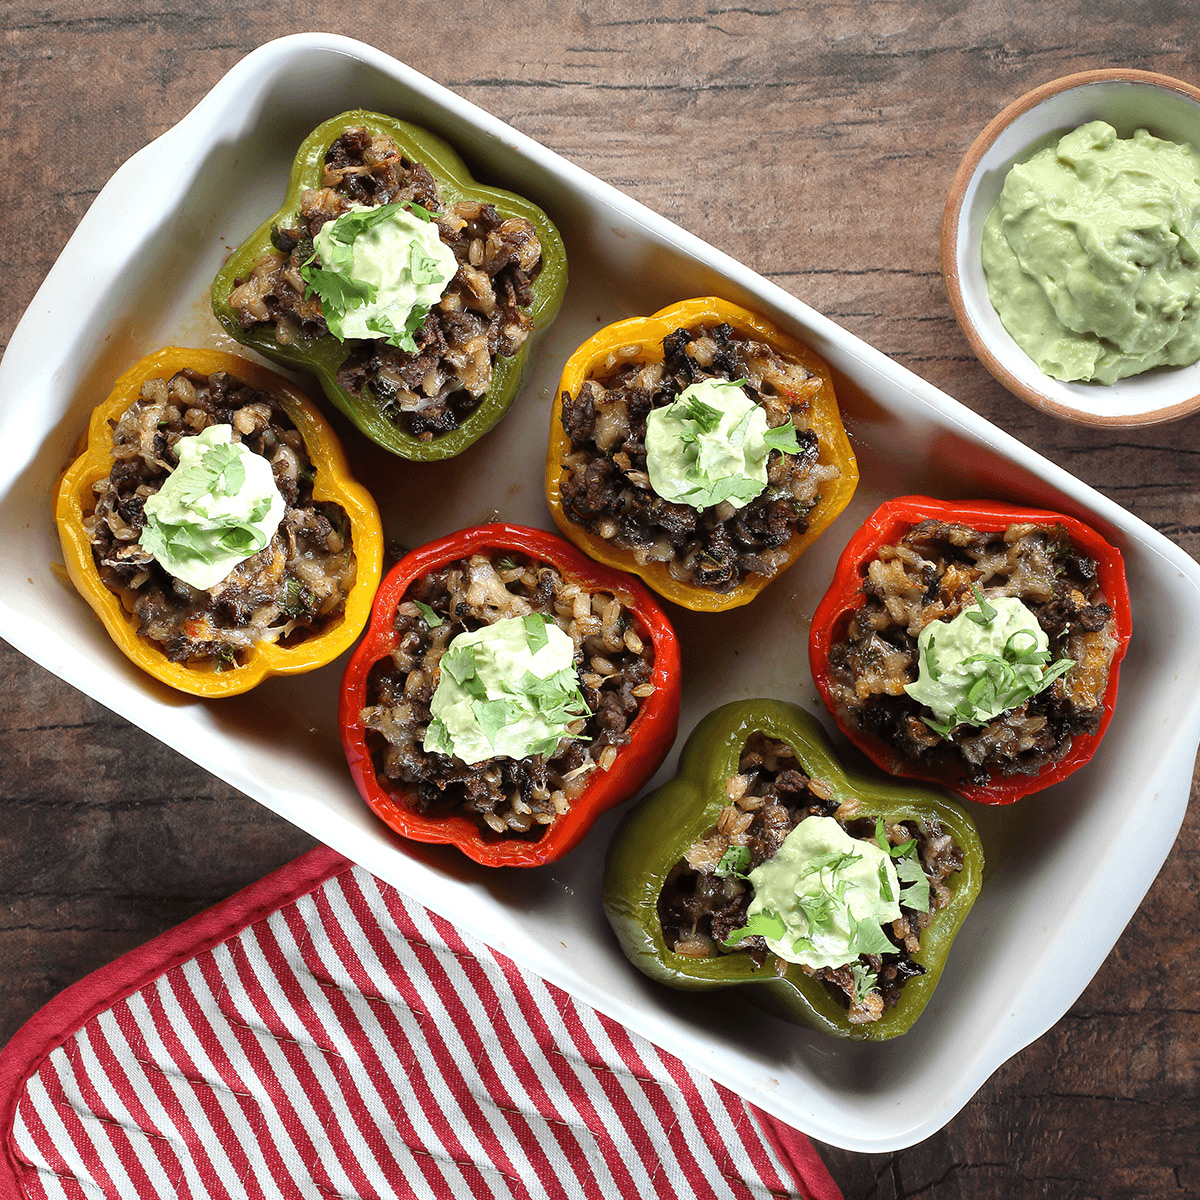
point(1092, 256)
point(700, 448)
point(213, 525)
point(409, 289)
point(973, 643)
point(763, 862)
point(508, 691)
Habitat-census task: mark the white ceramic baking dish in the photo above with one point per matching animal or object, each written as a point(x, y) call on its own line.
point(1066, 869)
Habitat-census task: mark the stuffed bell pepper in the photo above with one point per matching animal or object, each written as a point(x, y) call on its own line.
point(212, 524)
point(408, 289)
point(765, 863)
point(508, 692)
point(973, 643)
point(700, 448)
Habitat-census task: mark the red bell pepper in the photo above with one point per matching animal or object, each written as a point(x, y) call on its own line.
point(886, 525)
point(652, 731)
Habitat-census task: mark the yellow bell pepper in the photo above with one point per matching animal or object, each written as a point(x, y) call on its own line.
point(332, 483)
point(647, 334)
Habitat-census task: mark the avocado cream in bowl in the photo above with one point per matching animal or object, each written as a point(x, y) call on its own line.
point(1071, 247)
point(1092, 255)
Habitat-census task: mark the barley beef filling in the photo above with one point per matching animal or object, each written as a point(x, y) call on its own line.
point(930, 574)
point(481, 313)
point(513, 797)
point(768, 798)
point(287, 591)
point(606, 490)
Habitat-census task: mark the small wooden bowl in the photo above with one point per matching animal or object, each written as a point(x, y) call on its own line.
point(1127, 100)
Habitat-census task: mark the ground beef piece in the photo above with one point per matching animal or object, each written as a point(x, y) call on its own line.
point(579, 418)
point(589, 494)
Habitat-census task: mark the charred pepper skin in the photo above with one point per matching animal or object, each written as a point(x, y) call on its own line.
point(323, 356)
point(648, 333)
point(332, 484)
point(652, 732)
point(886, 525)
point(654, 837)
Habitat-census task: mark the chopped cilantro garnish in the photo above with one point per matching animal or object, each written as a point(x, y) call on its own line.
point(535, 632)
point(337, 292)
point(931, 660)
point(737, 435)
point(865, 981)
point(229, 533)
point(437, 738)
point(241, 539)
point(220, 471)
point(556, 698)
point(783, 438)
point(422, 265)
point(867, 936)
point(546, 747)
point(492, 715)
point(459, 664)
point(831, 863)
point(1031, 654)
point(895, 851)
point(706, 417)
point(402, 339)
point(941, 728)
point(173, 541)
point(908, 869)
point(487, 710)
point(817, 909)
point(432, 619)
point(916, 895)
point(734, 861)
point(802, 945)
point(732, 487)
point(418, 210)
point(986, 614)
point(296, 599)
point(349, 225)
point(885, 884)
point(761, 924)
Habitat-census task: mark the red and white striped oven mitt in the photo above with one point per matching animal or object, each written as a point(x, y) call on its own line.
point(320, 1036)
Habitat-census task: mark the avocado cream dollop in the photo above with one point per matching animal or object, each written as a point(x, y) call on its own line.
point(988, 659)
point(824, 896)
point(1092, 255)
point(382, 270)
point(710, 445)
point(508, 690)
point(219, 507)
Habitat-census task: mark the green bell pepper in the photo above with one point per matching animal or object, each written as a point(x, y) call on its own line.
point(323, 356)
point(656, 835)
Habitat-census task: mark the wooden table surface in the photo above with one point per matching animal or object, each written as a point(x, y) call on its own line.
point(814, 143)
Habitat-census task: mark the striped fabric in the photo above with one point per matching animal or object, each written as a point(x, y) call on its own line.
point(349, 1043)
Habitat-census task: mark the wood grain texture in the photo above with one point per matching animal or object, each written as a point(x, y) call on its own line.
point(814, 143)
